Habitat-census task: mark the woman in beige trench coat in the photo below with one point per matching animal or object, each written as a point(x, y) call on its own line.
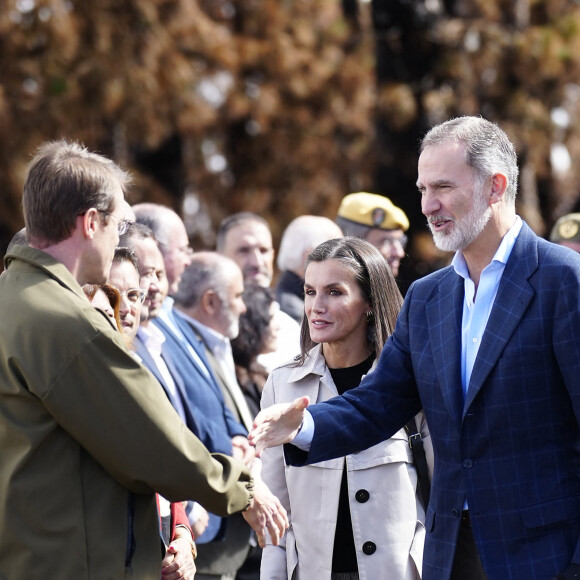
point(358, 516)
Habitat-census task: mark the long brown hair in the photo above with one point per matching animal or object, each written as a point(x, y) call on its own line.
point(376, 281)
point(112, 294)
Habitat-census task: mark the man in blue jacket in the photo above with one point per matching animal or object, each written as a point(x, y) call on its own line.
point(489, 348)
point(186, 376)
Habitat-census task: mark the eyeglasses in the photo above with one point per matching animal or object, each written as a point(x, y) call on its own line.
point(187, 250)
point(393, 241)
point(134, 295)
point(122, 224)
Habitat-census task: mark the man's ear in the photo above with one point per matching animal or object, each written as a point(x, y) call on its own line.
point(89, 222)
point(499, 184)
point(210, 302)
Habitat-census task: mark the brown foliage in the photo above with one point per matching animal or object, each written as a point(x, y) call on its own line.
point(270, 105)
point(517, 63)
point(271, 101)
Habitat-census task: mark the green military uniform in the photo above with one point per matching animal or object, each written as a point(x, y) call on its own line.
point(86, 438)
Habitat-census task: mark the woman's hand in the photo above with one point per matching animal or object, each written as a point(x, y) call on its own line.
point(179, 562)
point(277, 424)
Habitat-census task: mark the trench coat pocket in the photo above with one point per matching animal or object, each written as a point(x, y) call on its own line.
point(291, 555)
point(417, 547)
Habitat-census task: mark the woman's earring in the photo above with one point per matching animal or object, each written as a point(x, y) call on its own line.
point(369, 314)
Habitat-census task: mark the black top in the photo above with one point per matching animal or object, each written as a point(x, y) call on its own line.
point(344, 552)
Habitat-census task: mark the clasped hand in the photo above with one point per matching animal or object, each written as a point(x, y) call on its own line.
point(273, 426)
point(265, 513)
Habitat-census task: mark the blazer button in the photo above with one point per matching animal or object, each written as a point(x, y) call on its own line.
point(369, 548)
point(362, 495)
point(468, 464)
point(455, 513)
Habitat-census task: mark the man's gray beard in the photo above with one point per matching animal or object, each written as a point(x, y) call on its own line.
point(465, 230)
point(233, 329)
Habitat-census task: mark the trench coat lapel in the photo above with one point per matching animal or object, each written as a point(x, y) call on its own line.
point(314, 364)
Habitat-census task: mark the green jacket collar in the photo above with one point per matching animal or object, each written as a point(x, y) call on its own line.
point(22, 257)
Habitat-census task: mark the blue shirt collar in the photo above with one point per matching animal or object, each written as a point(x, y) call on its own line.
point(501, 256)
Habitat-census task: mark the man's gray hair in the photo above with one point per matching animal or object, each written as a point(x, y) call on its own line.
point(19, 239)
point(488, 149)
point(160, 219)
point(208, 271)
point(302, 235)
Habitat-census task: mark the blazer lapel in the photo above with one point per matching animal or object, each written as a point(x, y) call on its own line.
point(177, 344)
point(192, 338)
point(180, 404)
point(513, 297)
point(180, 399)
point(444, 312)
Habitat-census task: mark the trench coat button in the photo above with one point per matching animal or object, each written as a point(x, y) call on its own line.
point(369, 548)
point(455, 513)
point(468, 464)
point(362, 495)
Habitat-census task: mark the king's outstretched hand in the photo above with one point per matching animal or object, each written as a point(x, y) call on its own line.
point(277, 424)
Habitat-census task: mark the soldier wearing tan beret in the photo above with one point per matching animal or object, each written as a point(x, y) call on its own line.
point(376, 219)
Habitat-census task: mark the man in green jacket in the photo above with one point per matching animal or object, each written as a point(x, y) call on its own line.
point(86, 434)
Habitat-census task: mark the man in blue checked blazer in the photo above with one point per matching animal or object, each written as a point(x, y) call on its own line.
point(490, 349)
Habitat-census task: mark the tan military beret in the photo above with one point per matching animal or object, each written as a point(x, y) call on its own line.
point(372, 210)
point(566, 229)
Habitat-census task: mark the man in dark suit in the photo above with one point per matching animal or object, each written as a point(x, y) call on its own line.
point(489, 348)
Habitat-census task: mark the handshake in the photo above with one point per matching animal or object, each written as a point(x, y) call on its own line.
point(273, 426)
point(265, 513)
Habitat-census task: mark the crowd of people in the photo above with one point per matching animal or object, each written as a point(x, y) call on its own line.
point(171, 413)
